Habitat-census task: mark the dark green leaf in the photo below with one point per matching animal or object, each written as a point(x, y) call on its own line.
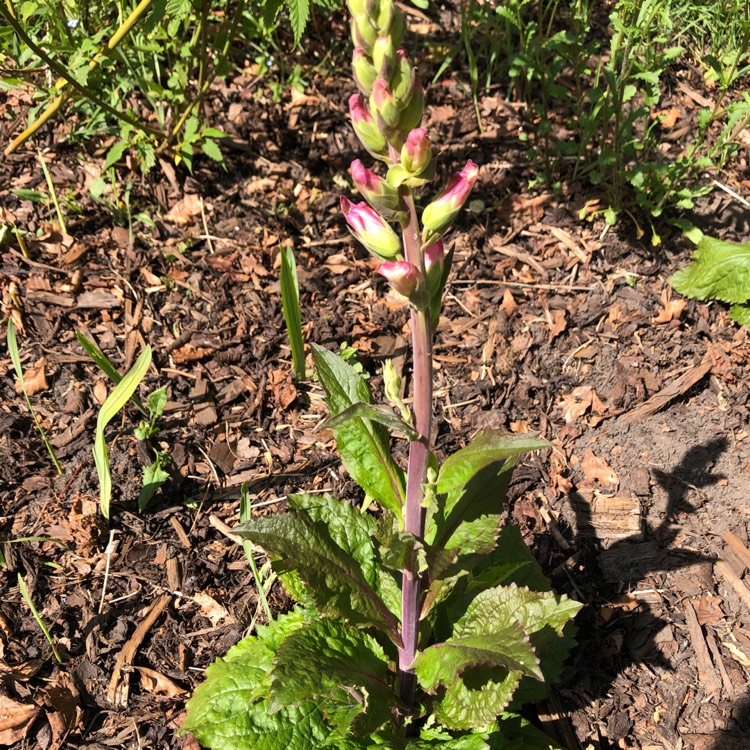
point(344, 668)
point(299, 12)
point(375, 413)
point(512, 732)
point(290, 304)
point(334, 578)
point(488, 447)
point(364, 446)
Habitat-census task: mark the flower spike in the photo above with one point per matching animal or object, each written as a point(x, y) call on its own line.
point(370, 229)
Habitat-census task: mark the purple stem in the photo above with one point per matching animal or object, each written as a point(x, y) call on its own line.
point(419, 451)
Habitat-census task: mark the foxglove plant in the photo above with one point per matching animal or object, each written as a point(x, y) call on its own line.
point(429, 625)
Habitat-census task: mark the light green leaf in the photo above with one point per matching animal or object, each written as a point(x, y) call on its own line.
point(115, 401)
point(720, 270)
point(375, 413)
point(115, 154)
point(225, 712)
point(154, 477)
point(156, 402)
point(740, 314)
point(212, 150)
point(343, 668)
point(506, 649)
point(299, 13)
point(488, 447)
point(363, 445)
point(333, 577)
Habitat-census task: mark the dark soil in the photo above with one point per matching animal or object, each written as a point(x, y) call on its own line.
point(552, 324)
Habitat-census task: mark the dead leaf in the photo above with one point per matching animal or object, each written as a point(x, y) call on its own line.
point(100, 392)
point(558, 322)
point(708, 609)
point(671, 310)
point(210, 608)
point(509, 303)
point(521, 427)
point(35, 378)
point(20, 672)
point(185, 210)
point(190, 353)
point(301, 99)
point(598, 474)
point(577, 403)
point(155, 682)
point(668, 117)
point(15, 720)
point(62, 696)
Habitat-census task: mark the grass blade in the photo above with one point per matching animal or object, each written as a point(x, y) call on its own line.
point(99, 358)
point(116, 400)
point(16, 360)
point(27, 598)
point(247, 545)
point(292, 317)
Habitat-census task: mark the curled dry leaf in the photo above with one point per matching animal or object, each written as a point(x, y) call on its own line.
point(15, 720)
point(577, 403)
point(672, 308)
point(598, 474)
point(155, 682)
point(185, 210)
point(35, 378)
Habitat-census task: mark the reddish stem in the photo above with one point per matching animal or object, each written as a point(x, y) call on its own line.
point(419, 451)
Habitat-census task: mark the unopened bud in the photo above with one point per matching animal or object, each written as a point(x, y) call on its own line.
point(365, 127)
point(401, 275)
point(416, 153)
point(434, 256)
point(364, 71)
point(439, 214)
point(411, 114)
point(383, 103)
point(384, 57)
point(370, 229)
point(382, 196)
point(364, 32)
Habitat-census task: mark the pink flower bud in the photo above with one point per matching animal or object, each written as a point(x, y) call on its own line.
point(434, 255)
point(439, 215)
point(401, 275)
point(381, 195)
point(366, 128)
point(383, 103)
point(416, 153)
point(370, 229)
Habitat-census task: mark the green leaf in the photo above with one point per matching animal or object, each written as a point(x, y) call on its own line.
point(375, 413)
point(488, 447)
point(513, 732)
point(364, 446)
point(343, 668)
point(154, 476)
point(115, 154)
point(100, 360)
point(116, 400)
point(720, 270)
point(507, 648)
point(740, 314)
point(348, 527)
point(290, 303)
point(156, 402)
point(226, 711)
point(212, 150)
point(334, 578)
point(299, 13)
point(30, 195)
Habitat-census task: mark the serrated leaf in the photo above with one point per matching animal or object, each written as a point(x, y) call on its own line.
point(226, 714)
point(488, 447)
point(720, 270)
point(344, 668)
point(513, 732)
point(375, 413)
point(363, 445)
point(299, 13)
point(333, 577)
point(507, 649)
point(348, 527)
point(212, 150)
point(740, 314)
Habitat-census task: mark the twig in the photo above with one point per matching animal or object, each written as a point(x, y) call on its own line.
point(106, 569)
point(731, 192)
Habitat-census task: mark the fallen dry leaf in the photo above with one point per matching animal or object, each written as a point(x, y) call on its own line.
point(598, 474)
point(210, 608)
point(668, 117)
point(577, 403)
point(63, 697)
point(100, 392)
point(155, 682)
point(672, 308)
point(185, 210)
point(35, 378)
point(15, 720)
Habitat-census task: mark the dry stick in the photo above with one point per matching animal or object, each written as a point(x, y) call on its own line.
point(106, 569)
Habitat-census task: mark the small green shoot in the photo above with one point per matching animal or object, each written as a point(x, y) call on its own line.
point(16, 360)
point(116, 400)
point(292, 317)
point(154, 475)
point(53, 193)
point(27, 598)
point(100, 360)
point(245, 516)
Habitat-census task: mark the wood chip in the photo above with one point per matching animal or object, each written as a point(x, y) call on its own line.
point(734, 581)
point(706, 672)
point(666, 395)
point(118, 690)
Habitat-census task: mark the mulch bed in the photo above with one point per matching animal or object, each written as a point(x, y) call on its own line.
point(552, 324)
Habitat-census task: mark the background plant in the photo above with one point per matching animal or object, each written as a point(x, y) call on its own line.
point(429, 624)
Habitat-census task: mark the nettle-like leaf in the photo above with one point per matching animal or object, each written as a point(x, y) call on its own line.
point(720, 270)
point(226, 711)
point(333, 577)
point(345, 668)
point(363, 444)
point(513, 732)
